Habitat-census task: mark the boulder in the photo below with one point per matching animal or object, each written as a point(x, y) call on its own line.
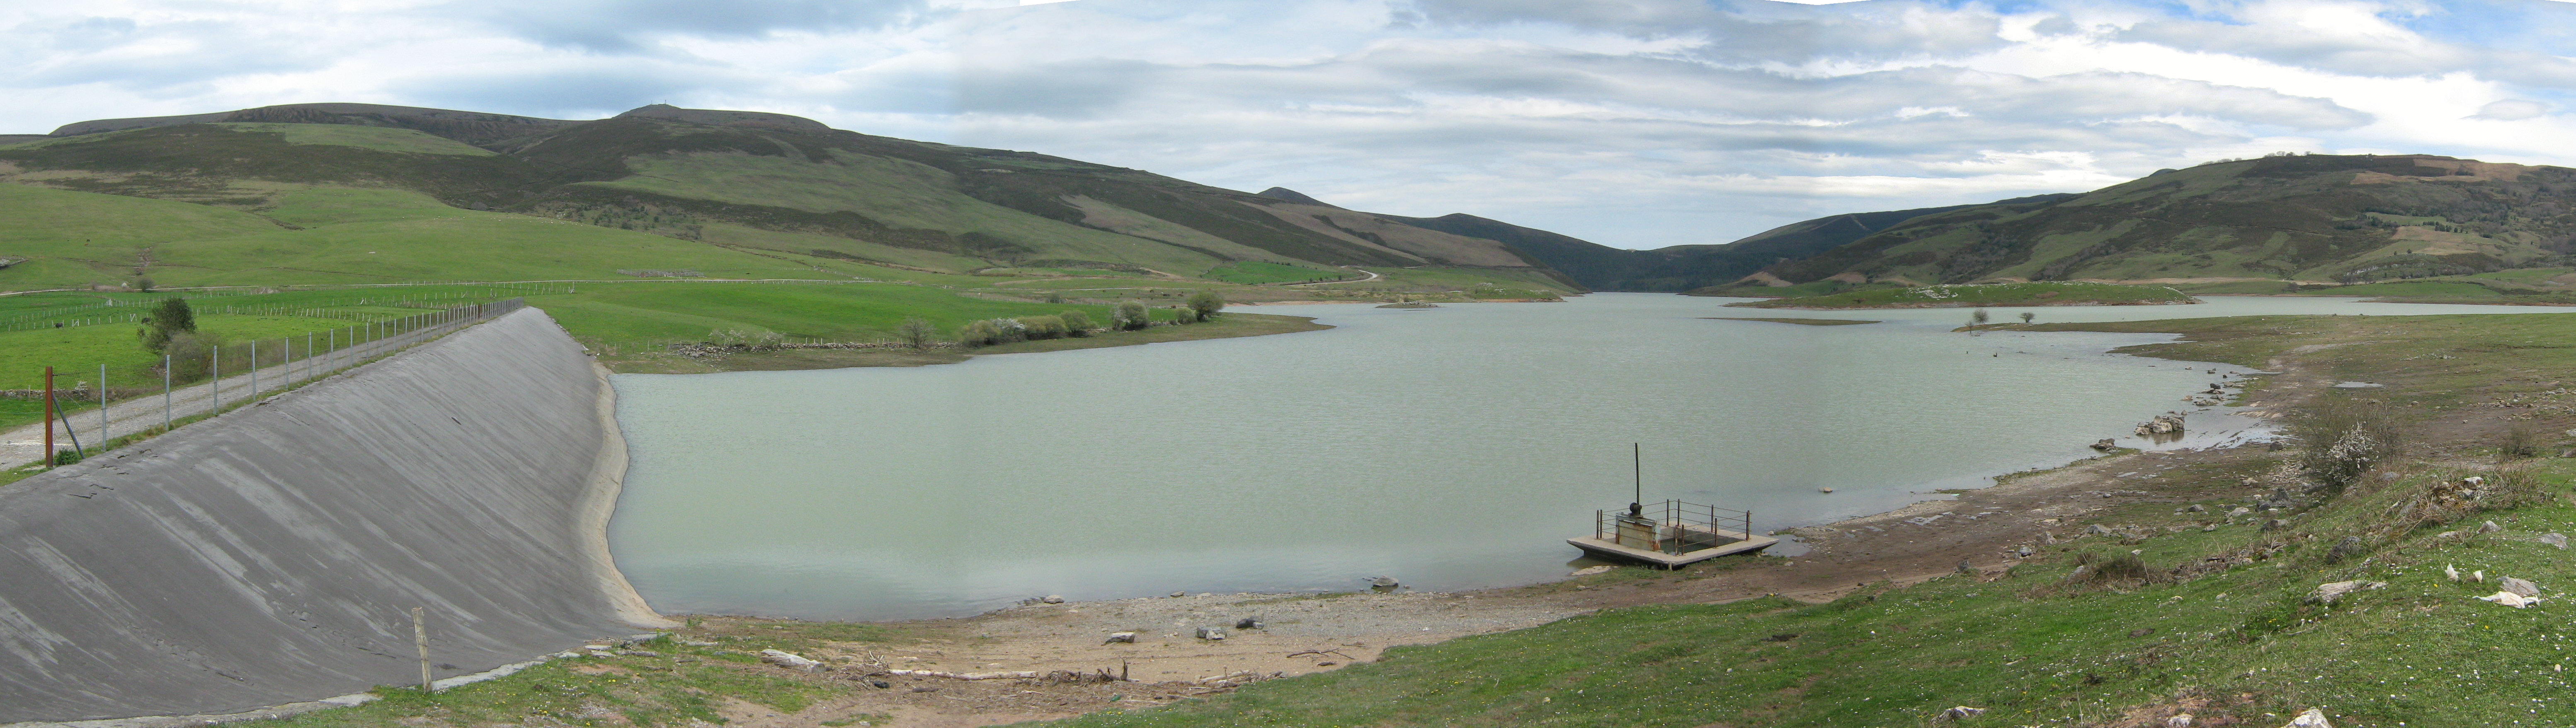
point(1383, 582)
point(2047, 539)
point(2198, 508)
point(2240, 511)
point(2327, 593)
point(2451, 571)
point(2489, 527)
point(2347, 548)
point(2554, 539)
point(2314, 718)
point(2518, 586)
point(2510, 599)
point(790, 661)
point(1247, 623)
point(2025, 552)
point(2096, 530)
point(2178, 720)
point(1121, 637)
point(1590, 570)
point(1211, 634)
point(2105, 445)
point(1962, 713)
point(1052, 599)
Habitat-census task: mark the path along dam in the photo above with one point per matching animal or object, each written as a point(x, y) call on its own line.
point(273, 555)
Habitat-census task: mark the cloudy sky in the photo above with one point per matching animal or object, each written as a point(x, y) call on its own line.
point(1635, 123)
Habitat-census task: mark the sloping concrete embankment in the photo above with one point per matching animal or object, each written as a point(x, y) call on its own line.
point(273, 555)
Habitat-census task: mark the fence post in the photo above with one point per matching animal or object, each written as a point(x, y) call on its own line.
point(254, 369)
point(165, 393)
point(102, 406)
point(216, 365)
point(49, 417)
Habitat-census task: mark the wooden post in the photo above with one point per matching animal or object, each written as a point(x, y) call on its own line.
point(49, 417)
point(102, 406)
point(165, 393)
point(420, 639)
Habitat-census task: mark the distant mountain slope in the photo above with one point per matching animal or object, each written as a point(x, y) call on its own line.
point(749, 180)
point(1680, 267)
point(2312, 217)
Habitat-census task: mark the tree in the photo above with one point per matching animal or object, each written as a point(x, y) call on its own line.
point(916, 331)
point(170, 318)
point(1129, 316)
point(141, 283)
point(2026, 316)
point(1204, 304)
point(1980, 317)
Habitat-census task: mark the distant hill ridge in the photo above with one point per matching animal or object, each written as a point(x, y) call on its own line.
point(2344, 218)
point(696, 173)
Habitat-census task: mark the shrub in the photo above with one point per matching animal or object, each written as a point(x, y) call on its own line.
point(1076, 323)
point(66, 457)
point(2343, 438)
point(190, 353)
point(1980, 317)
point(741, 339)
point(1204, 304)
point(976, 333)
point(988, 332)
point(917, 331)
point(1129, 316)
point(2095, 568)
point(2521, 440)
point(1042, 327)
point(141, 283)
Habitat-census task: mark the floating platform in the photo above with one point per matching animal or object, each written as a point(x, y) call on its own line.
point(1742, 543)
point(1671, 534)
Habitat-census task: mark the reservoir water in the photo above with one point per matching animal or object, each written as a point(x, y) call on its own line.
point(1449, 448)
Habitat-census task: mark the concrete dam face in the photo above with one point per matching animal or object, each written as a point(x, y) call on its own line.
point(273, 555)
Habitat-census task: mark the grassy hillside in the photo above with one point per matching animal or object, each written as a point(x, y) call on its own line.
point(1681, 267)
point(2043, 293)
point(2307, 218)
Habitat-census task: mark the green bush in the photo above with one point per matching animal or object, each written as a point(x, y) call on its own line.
point(976, 333)
point(741, 339)
point(2342, 438)
point(1042, 327)
point(191, 353)
point(988, 332)
point(1204, 305)
point(66, 457)
point(1076, 323)
point(1129, 316)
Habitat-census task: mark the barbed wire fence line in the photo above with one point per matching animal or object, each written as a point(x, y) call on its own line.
point(234, 375)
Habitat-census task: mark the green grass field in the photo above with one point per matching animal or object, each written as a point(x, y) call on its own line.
point(1256, 272)
point(2043, 293)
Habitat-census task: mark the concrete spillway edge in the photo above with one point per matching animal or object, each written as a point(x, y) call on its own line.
point(599, 505)
point(234, 568)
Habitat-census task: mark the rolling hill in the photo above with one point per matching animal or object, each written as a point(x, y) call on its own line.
point(2277, 219)
point(730, 183)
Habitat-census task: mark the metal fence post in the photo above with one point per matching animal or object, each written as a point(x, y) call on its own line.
point(165, 393)
point(102, 405)
point(49, 417)
point(216, 366)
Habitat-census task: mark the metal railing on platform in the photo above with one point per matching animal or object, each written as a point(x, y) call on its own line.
point(1672, 527)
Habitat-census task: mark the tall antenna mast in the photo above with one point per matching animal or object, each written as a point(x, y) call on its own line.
point(1637, 461)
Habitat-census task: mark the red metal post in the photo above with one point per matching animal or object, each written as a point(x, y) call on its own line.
point(49, 417)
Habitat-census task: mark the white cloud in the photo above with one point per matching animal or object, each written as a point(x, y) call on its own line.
point(1632, 122)
point(2511, 110)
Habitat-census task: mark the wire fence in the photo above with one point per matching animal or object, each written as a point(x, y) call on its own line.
point(199, 384)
